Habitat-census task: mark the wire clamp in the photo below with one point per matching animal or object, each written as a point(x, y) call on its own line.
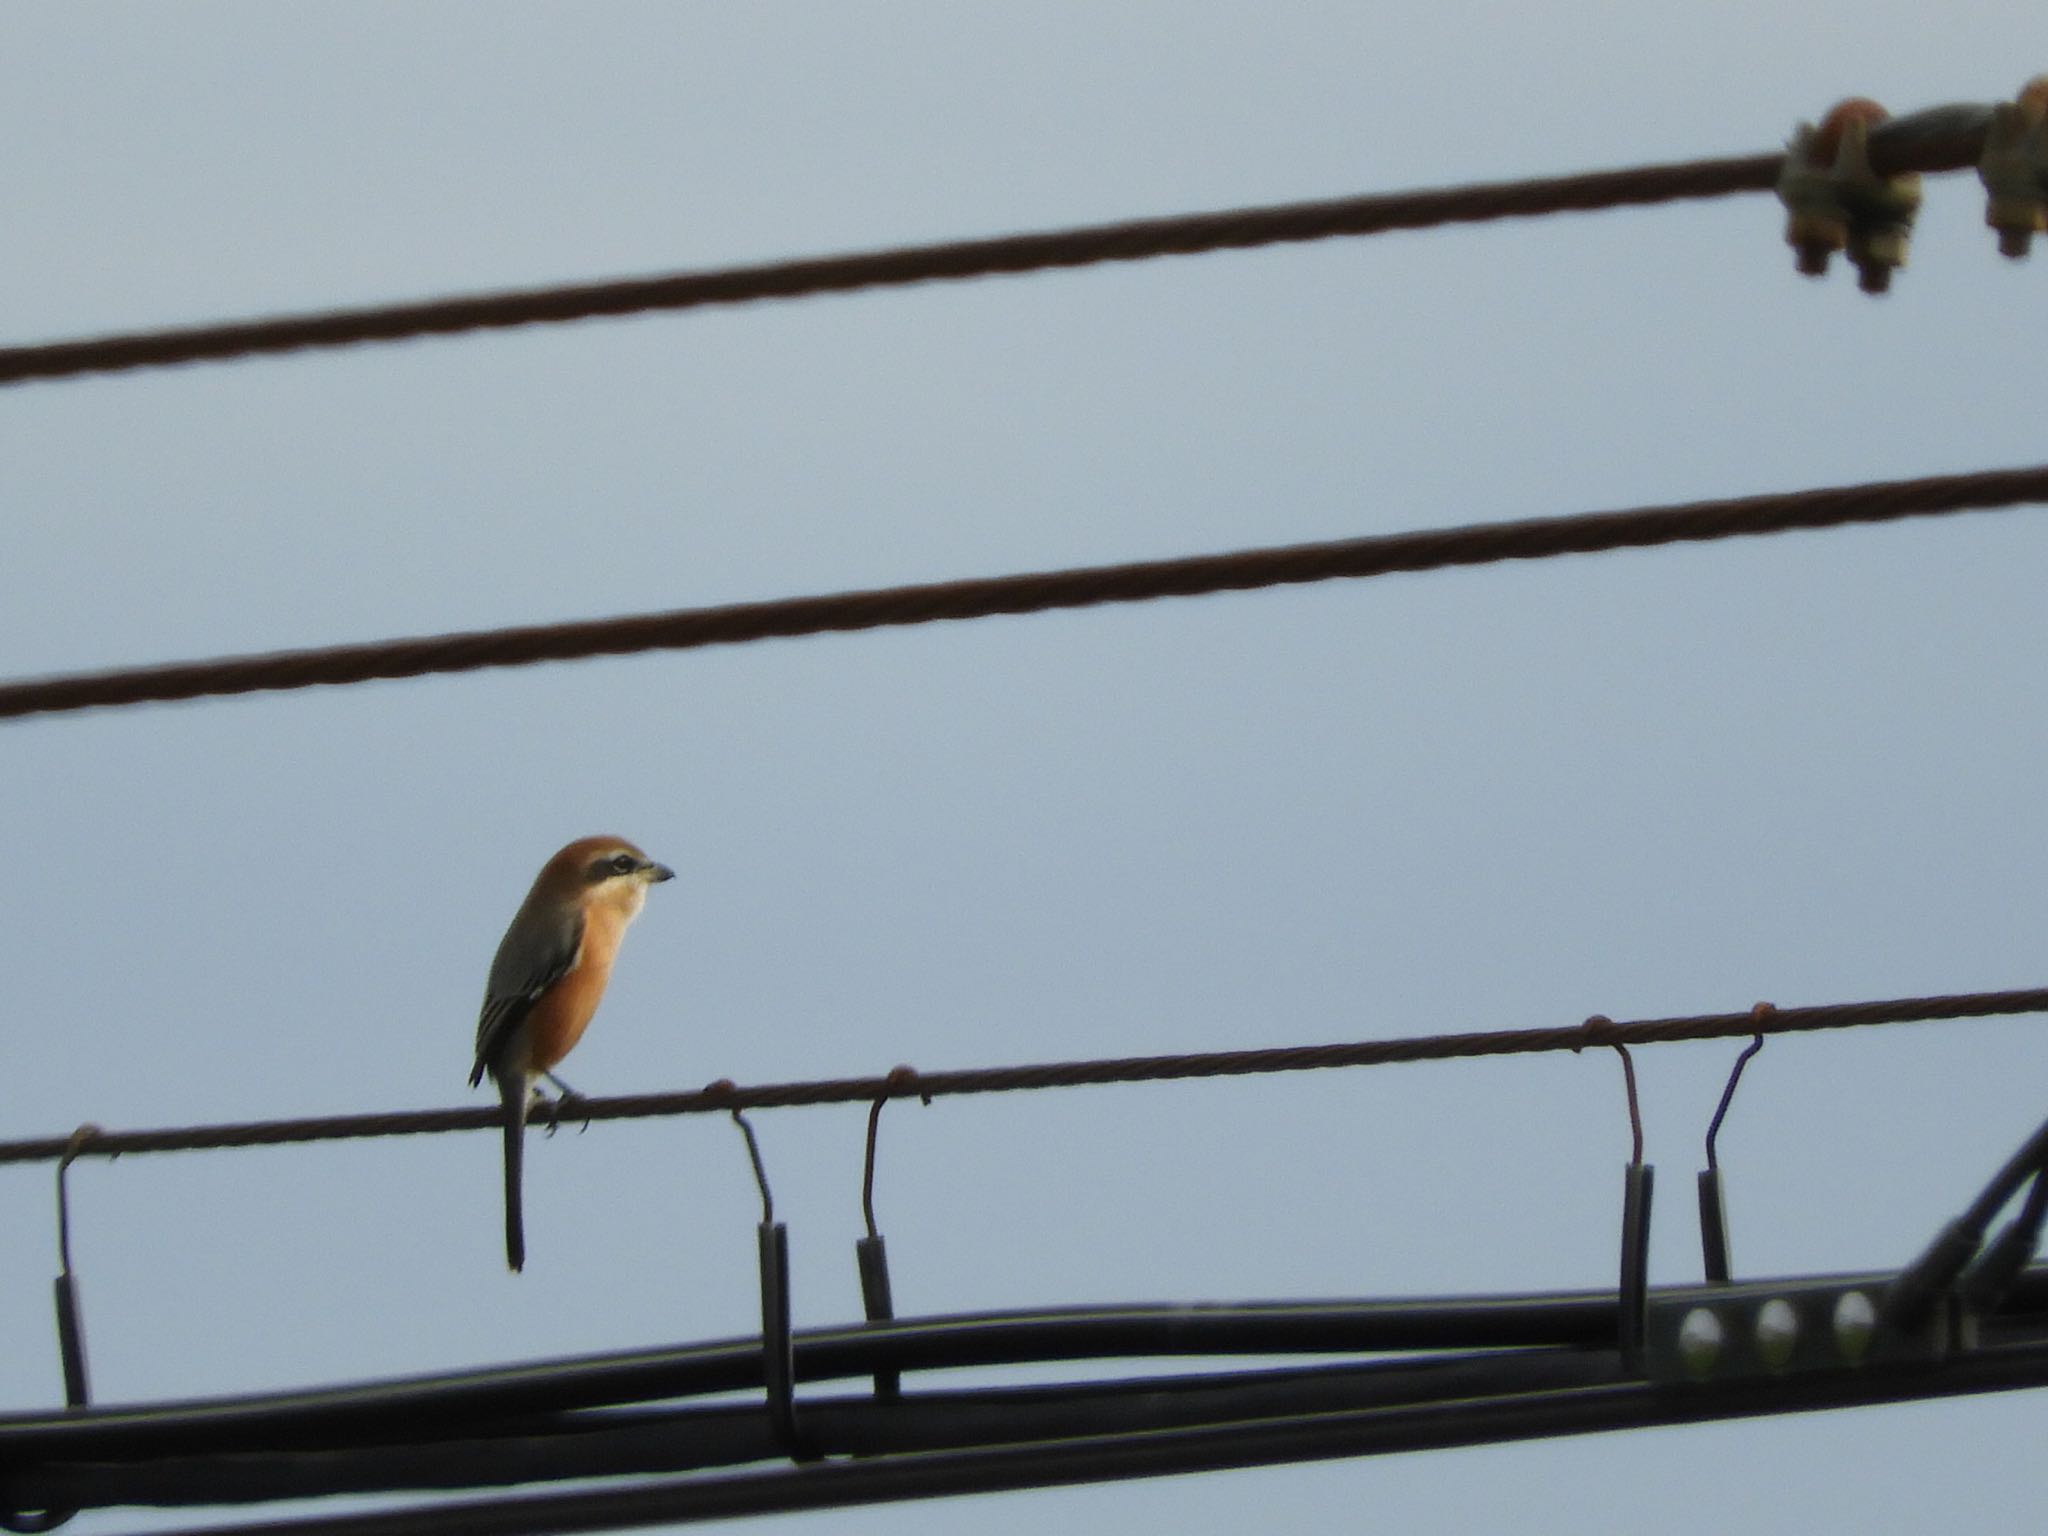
point(1835, 202)
point(2014, 169)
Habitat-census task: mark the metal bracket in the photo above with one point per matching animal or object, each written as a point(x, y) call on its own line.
point(1752, 1332)
point(1834, 201)
point(2014, 169)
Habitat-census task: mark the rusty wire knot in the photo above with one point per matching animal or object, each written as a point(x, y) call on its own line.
point(902, 1081)
point(1598, 1030)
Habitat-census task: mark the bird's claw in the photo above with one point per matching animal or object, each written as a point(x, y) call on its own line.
point(570, 1101)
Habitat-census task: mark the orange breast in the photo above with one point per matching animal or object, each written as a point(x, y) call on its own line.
point(564, 1011)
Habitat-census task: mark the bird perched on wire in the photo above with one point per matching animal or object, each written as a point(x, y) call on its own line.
point(546, 981)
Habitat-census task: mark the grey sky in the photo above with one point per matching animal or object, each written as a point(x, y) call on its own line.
point(1804, 768)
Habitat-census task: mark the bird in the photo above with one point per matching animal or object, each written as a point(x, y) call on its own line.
point(546, 981)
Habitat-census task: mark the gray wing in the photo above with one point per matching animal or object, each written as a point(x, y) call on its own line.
point(533, 956)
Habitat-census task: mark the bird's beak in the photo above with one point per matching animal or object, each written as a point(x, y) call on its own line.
point(656, 873)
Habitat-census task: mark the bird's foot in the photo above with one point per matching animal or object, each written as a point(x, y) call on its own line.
point(568, 1102)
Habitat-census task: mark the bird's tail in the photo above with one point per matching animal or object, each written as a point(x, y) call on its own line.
point(513, 1090)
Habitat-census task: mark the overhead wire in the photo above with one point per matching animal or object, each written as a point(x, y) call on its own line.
point(1031, 592)
point(1939, 139)
point(903, 1082)
point(1944, 139)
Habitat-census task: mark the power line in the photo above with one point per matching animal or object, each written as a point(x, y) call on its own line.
point(1159, 1452)
point(1031, 592)
point(907, 1083)
point(1462, 1363)
point(1941, 139)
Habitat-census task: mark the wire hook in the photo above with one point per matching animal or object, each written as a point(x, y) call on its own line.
point(1759, 1013)
point(1714, 1255)
point(867, 1176)
point(72, 1152)
point(1599, 1030)
point(871, 1254)
point(1635, 1107)
point(901, 1080)
point(778, 1352)
point(725, 1088)
point(1638, 1183)
point(70, 1332)
point(70, 1316)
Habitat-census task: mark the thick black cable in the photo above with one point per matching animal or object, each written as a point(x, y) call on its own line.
point(1941, 139)
point(548, 1394)
point(427, 1409)
point(1942, 1263)
point(1997, 1268)
point(645, 1442)
point(1371, 1431)
point(284, 1447)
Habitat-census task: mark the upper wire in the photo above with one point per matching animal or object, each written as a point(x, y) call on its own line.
point(1034, 592)
point(1940, 139)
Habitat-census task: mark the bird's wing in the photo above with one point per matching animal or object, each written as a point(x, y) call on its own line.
point(534, 956)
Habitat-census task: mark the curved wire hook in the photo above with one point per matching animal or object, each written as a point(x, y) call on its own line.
point(725, 1090)
point(1635, 1107)
point(1599, 1030)
point(778, 1361)
point(1632, 1296)
point(760, 1170)
point(867, 1176)
point(1760, 1012)
point(901, 1080)
point(72, 1153)
point(70, 1333)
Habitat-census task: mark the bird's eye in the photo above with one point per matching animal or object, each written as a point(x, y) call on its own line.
point(624, 863)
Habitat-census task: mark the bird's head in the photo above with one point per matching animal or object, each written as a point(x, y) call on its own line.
point(609, 870)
